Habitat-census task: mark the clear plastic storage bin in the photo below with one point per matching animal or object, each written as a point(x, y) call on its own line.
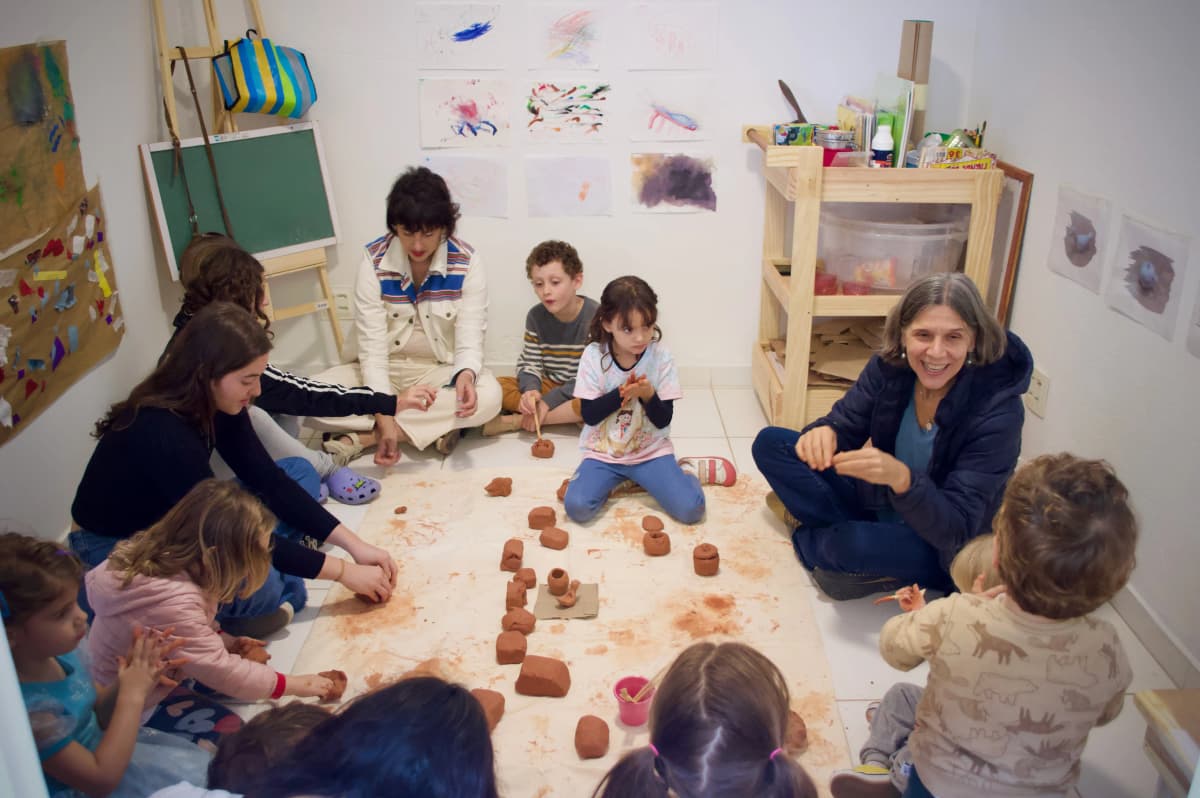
point(870, 256)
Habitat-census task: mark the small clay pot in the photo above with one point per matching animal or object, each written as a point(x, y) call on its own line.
point(554, 538)
point(562, 489)
point(656, 543)
point(797, 733)
point(515, 595)
point(518, 620)
point(706, 559)
point(339, 684)
point(591, 737)
point(510, 558)
point(492, 703)
point(558, 582)
point(569, 598)
point(542, 448)
point(510, 648)
point(652, 523)
point(528, 576)
point(542, 517)
point(500, 486)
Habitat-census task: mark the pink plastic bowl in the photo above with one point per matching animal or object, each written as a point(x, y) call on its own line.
point(633, 714)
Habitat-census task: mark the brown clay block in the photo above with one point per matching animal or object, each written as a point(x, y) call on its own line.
point(569, 598)
point(591, 737)
point(528, 576)
point(514, 596)
point(339, 685)
point(518, 620)
point(557, 582)
point(562, 489)
point(500, 486)
point(706, 560)
point(542, 517)
point(542, 448)
point(514, 552)
point(543, 676)
point(657, 543)
point(554, 538)
point(510, 648)
point(797, 733)
point(492, 703)
point(401, 510)
point(652, 523)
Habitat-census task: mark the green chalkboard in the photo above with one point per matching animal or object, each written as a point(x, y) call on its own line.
point(274, 185)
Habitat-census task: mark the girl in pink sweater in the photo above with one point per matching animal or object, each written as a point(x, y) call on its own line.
point(213, 546)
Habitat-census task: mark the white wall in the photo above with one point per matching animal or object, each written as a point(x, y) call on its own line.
point(1102, 96)
point(704, 266)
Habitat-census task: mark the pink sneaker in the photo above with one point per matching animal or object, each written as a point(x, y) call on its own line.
point(710, 470)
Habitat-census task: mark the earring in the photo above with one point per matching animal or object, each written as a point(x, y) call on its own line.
point(970, 358)
point(903, 352)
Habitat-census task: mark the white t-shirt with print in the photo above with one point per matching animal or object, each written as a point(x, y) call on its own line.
point(626, 436)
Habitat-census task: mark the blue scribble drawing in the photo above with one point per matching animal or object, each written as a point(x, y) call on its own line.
point(473, 31)
point(661, 115)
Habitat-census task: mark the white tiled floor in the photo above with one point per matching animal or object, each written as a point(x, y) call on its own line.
point(724, 421)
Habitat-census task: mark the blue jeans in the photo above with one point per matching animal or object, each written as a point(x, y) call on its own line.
point(93, 549)
point(678, 493)
point(916, 789)
point(836, 532)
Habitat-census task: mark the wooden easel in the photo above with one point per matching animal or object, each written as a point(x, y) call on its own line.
point(224, 122)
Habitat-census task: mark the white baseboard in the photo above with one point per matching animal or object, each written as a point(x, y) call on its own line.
point(1160, 642)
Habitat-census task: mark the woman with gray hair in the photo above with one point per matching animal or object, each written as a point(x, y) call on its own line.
point(912, 462)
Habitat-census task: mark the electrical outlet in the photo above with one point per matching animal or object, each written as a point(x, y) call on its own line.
point(1035, 397)
point(341, 303)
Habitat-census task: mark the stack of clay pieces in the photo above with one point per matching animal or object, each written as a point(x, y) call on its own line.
point(706, 560)
point(655, 542)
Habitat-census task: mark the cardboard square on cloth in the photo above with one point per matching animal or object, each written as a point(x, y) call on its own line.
point(587, 603)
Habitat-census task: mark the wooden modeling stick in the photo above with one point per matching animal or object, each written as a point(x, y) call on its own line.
point(904, 596)
point(646, 688)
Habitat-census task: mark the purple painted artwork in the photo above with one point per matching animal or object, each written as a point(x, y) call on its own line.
point(673, 183)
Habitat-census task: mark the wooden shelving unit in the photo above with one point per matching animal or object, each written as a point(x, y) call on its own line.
point(797, 184)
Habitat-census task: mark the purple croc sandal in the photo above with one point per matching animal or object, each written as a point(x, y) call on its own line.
point(351, 488)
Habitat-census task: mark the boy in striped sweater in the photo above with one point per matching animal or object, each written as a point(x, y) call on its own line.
point(556, 331)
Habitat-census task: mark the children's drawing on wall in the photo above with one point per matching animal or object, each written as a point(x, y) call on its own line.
point(459, 36)
point(1080, 238)
point(463, 113)
point(1148, 275)
point(667, 35)
point(673, 183)
point(669, 109)
point(41, 172)
point(479, 185)
point(567, 110)
point(62, 315)
point(564, 36)
point(568, 186)
point(1193, 330)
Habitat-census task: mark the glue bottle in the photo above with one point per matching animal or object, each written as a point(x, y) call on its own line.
point(882, 144)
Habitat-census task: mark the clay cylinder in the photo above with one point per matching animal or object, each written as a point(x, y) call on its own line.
point(557, 582)
point(510, 558)
point(651, 523)
point(706, 560)
point(528, 576)
point(797, 733)
point(542, 517)
point(510, 648)
point(542, 448)
point(514, 595)
point(569, 598)
point(518, 620)
point(339, 685)
point(543, 676)
point(554, 538)
point(591, 737)
point(656, 543)
point(492, 703)
point(562, 489)
point(500, 486)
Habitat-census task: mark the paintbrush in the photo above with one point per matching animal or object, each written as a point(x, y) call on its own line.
point(791, 98)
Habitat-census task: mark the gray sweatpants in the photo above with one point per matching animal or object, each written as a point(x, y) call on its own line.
point(895, 719)
point(279, 444)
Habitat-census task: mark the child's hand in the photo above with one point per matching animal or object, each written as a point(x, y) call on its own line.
point(418, 397)
point(308, 685)
point(909, 598)
point(638, 389)
point(529, 402)
point(991, 592)
point(139, 670)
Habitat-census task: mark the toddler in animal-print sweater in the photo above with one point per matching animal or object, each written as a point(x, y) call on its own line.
point(1018, 680)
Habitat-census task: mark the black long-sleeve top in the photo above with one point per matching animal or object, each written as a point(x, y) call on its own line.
point(594, 411)
point(136, 474)
point(288, 394)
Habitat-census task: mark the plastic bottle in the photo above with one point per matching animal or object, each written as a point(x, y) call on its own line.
point(882, 144)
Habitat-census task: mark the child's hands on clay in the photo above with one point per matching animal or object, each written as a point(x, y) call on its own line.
point(638, 389)
point(308, 685)
point(368, 581)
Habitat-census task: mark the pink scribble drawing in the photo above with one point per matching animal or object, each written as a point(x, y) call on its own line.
point(469, 119)
point(571, 37)
point(670, 41)
point(661, 116)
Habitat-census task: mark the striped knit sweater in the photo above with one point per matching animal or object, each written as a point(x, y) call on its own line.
point(552, 350)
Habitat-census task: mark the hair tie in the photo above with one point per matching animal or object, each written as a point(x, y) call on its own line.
point(775, 753)
point(651, 745)
point(5, 612)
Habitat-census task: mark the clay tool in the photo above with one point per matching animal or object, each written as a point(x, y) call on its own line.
point(896, 596)
point(791, 98)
